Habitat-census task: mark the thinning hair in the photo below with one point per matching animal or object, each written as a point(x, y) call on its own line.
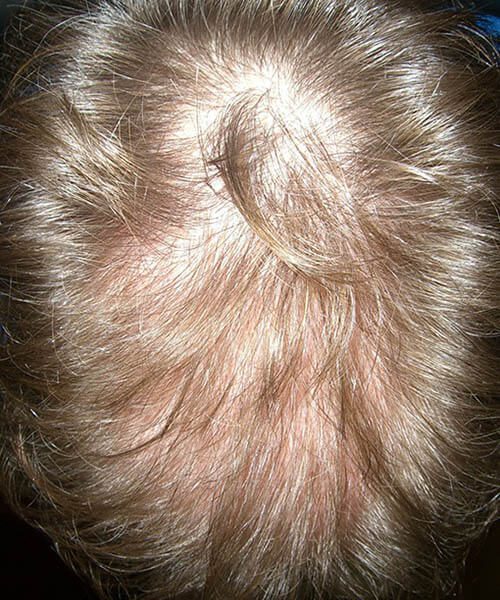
point(249, 293)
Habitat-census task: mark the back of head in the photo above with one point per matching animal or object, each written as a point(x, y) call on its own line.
point(249, 269)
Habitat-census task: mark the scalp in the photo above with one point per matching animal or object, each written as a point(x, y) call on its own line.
point(250, 255)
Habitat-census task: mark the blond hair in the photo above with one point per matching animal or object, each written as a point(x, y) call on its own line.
point(249, 276)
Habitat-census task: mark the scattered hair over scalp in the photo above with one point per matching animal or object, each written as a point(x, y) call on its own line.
point(249, 294)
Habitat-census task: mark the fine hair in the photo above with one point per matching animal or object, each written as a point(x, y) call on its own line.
point(249, 294)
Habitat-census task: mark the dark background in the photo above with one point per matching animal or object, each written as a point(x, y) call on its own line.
point(31, 570)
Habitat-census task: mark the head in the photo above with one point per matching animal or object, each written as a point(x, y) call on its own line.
point(249, 270)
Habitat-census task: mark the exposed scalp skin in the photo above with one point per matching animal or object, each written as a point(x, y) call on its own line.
point(250, 288)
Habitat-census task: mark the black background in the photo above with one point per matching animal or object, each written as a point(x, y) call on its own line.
point(31, 570)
